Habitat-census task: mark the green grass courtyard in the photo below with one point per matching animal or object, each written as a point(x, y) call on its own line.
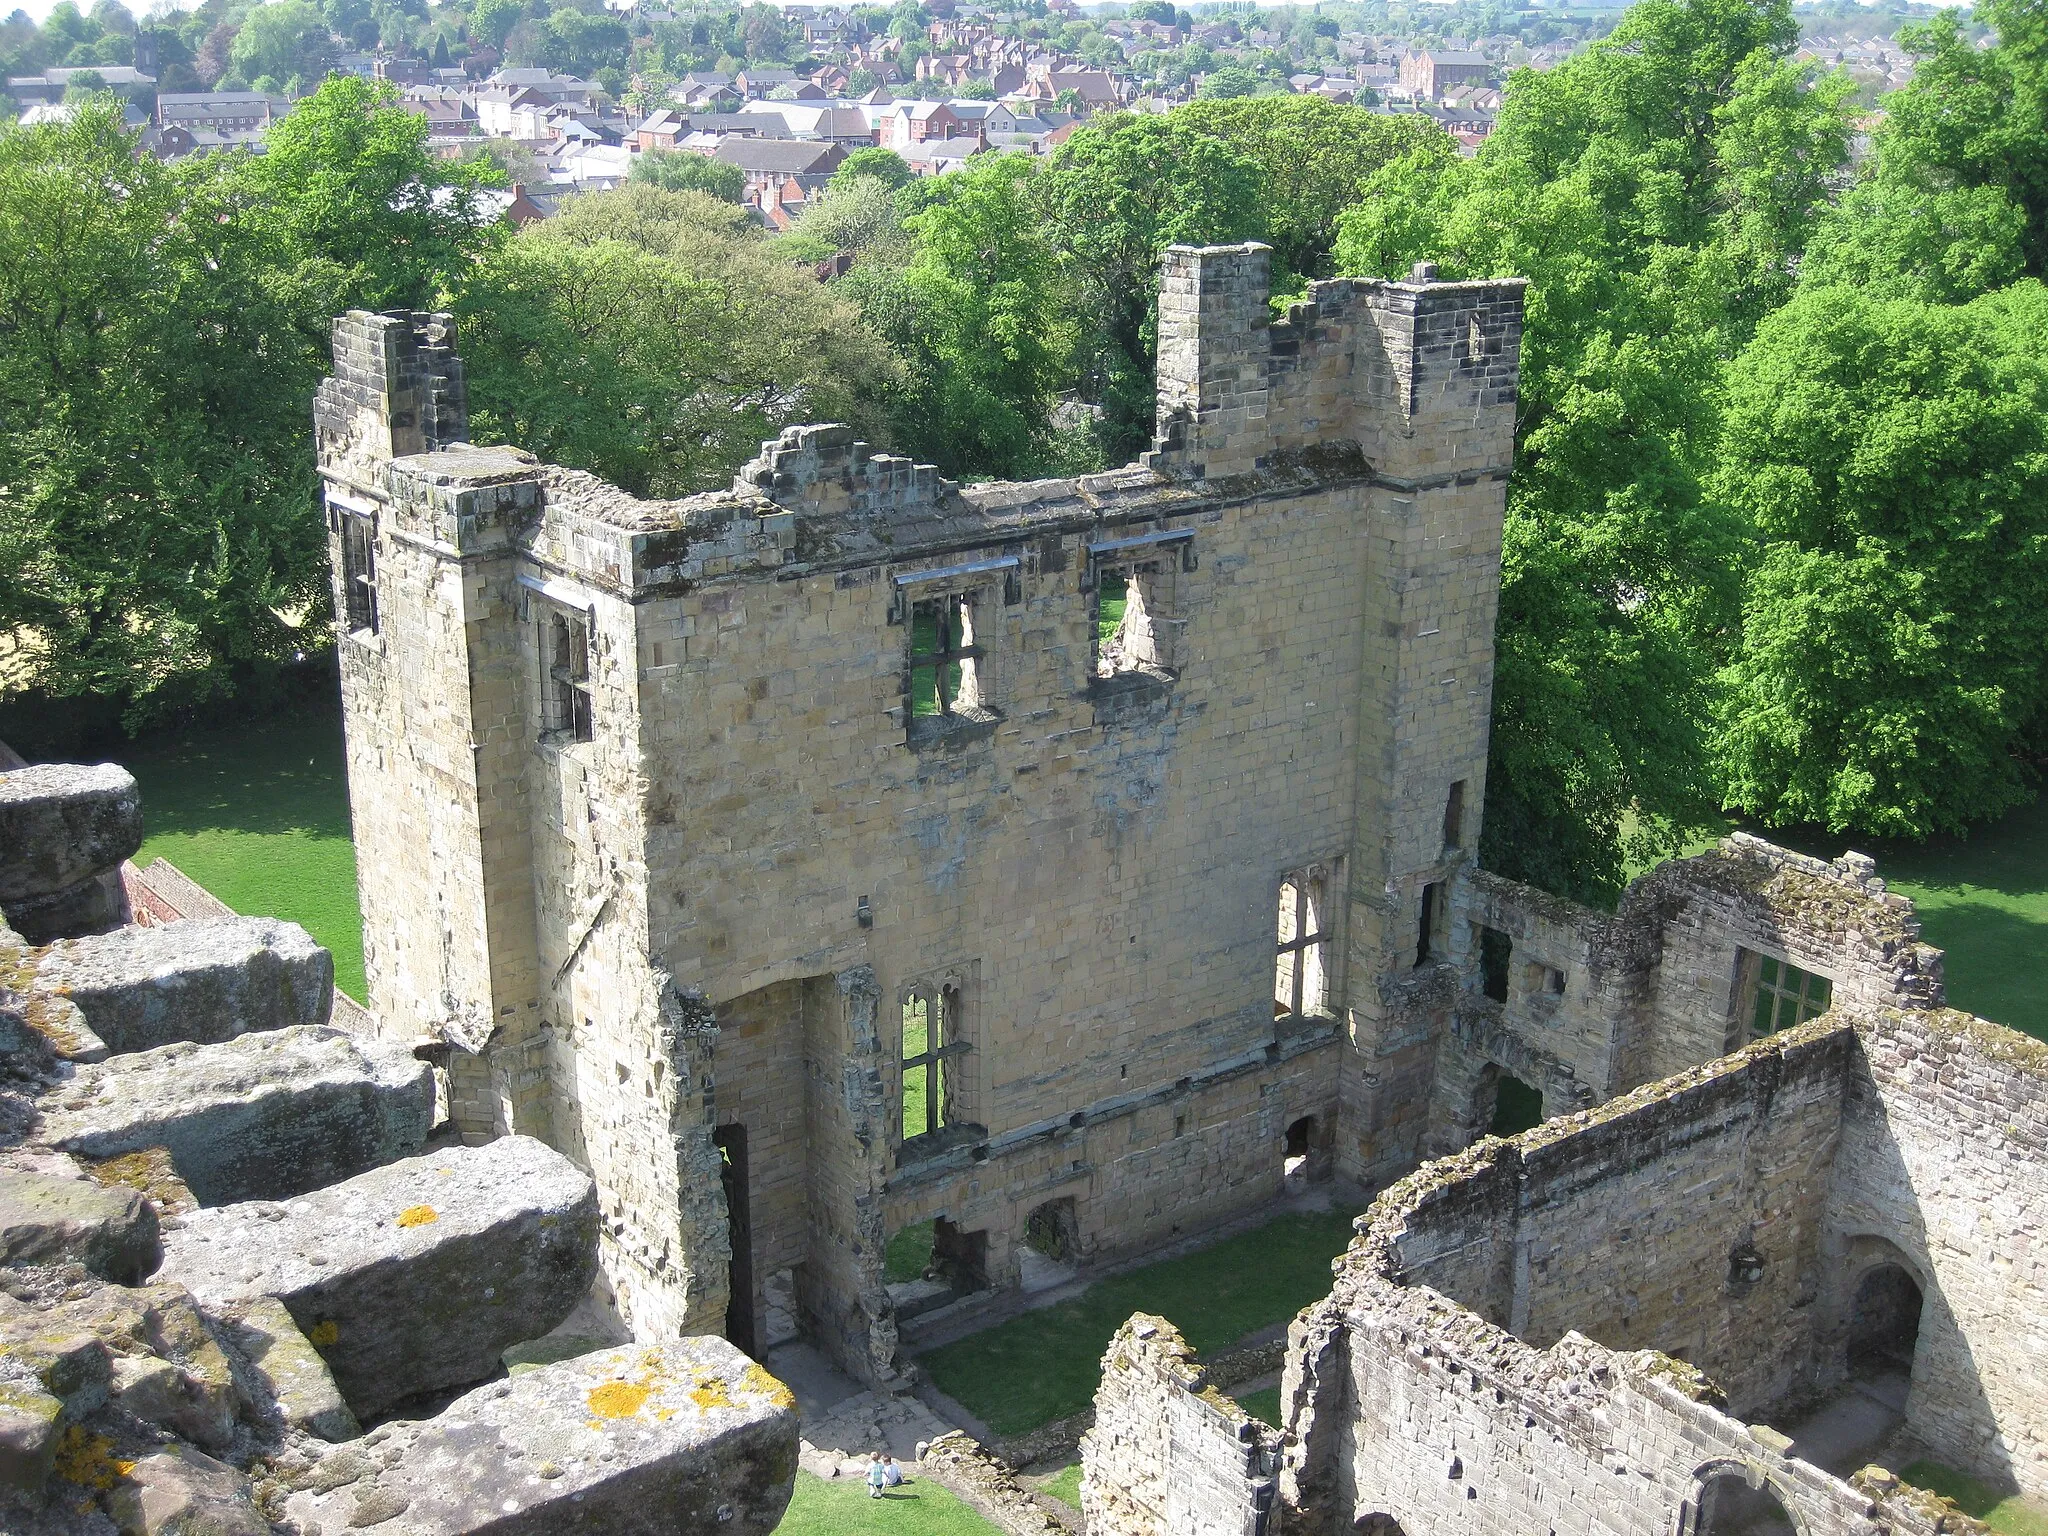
point(1045, 1364)
point(841, 1507)
point(260, 818)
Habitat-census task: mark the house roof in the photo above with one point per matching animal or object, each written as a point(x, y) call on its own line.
point(789, 155)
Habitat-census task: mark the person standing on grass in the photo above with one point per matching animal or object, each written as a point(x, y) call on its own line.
point(878, 1477)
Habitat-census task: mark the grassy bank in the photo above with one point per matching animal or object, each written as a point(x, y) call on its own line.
point(260, 818)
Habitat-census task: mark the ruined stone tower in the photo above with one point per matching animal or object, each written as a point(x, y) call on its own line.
point(851, 848)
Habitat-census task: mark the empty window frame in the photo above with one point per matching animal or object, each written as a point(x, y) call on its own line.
point(1429, 940)
point(945, 655)
point(931, 1046)
point(358, 530)
point(1301, 976)
point(566, 704)
point(1776, 994)
point(1454, 817)
point(1136, 584)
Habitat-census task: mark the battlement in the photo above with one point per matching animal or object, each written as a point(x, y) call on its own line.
point(397, 388)
point(1413, 373)
point(824, 469)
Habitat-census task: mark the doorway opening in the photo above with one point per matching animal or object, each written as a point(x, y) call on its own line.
point(1884, 1323)
point(741, 1321)
point(1051, 1247)
point(1728, 1506)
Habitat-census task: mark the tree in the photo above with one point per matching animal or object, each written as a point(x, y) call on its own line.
point(1314, 157)
point(493, 20)
point(1655, 189)
point(283, 39)
point(1956, 201)
point(978, 315)
point(681, 170)
point(647, 335)
point(157, 530)
point(363, 213)
point(884, 165)
point(1892, 458)
point(1114, 197)
point(1230, 81)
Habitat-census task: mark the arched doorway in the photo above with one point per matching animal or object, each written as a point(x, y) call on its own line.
point(1884, 1322)
point(1504, 1105)
point(1378, 1525)
point(1729, 1506)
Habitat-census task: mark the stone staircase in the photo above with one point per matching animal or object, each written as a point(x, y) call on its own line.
point(230, 1239)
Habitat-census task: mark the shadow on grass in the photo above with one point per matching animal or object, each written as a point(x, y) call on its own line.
point(278, 776)
point(1045, 1364)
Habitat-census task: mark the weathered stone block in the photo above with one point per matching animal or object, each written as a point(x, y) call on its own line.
point(62, 823)
point(641, 1440)
point(37, 1028)
point(30, 1422)
point(261, 1117)
point(48, 1219)
point(292, 1381)
point(207, 979)
point(179, 1492)
point(414, 1277)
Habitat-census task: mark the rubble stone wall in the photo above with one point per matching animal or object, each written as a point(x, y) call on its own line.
point(1168, 1454)
point(1411, 1409)
point(1598, 1003)
point(1943, 1170)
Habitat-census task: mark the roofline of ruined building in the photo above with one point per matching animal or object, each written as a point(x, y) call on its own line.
point(963, 518)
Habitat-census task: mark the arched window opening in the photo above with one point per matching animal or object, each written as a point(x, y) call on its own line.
point(1728, 1506)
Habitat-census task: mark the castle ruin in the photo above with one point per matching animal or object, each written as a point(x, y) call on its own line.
point(751, 876)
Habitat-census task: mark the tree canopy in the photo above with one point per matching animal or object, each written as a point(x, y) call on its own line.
point(1891, 456)
point(649, 336)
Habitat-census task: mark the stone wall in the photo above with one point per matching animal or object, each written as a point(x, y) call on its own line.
point(1943, 1170)
point(1598, 1003)
point(754, 808)
point(1640, 1224)
point(1169, 1455)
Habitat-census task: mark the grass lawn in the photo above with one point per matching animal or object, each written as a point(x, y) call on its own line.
point(1263, 1405)
point(841, 1507)
point(1045, 1364)
point(1065, 1484)
point(260, 818)
point(2007, 1516)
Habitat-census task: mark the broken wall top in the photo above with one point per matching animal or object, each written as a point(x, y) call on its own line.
point(1366, 380)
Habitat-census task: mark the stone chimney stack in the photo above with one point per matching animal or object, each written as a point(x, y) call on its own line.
point(1215, 336)
point(397, 388)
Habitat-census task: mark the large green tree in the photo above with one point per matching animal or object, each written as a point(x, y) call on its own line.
point(1892, 457)
point(1956, 200)
point(157, 528)
point(651, 337)
point(1656, 189)
point(1313, 158)
point(1114, 197)
point(357, 209)
point(978, 313)
point(286, 40)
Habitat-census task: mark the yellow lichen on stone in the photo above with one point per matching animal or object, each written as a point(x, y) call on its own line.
point(710, 1393)
point(88, 1459)
point(418, 1216)
point(617, 1400)
point(324, 1333)
point(759, 1380)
